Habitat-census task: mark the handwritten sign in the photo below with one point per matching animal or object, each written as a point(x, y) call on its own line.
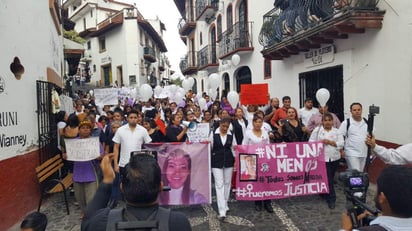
point(199, 133)
point(82, 149)
point(280, 170)
point(106, 96)
point(256, 94)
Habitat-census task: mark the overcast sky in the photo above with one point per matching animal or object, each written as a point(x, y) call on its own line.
point(167, 12)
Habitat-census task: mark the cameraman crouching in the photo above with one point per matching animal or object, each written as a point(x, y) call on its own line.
point(394, 199)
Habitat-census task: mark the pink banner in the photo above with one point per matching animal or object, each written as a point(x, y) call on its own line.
point(280, 170)
point(186, 170)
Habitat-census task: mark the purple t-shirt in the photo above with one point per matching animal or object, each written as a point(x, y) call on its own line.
point(83, 171)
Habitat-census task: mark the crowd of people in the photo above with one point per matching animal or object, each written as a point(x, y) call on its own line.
point(125, 127)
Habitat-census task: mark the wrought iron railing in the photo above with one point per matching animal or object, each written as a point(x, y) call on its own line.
point(291, 17)
point(236, 37)
point(149, 51)
point(188, 62)
point(183, 64)
point(207, 56)
point(201, 5)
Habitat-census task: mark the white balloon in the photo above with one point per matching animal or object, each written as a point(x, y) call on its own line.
point(186, 85)
point(191, 81)
point(212, 93)
point(202, 104)
point(199, 96)
point(173, 88)
point(214, 81)
point(322, 95)
point(178, 97)
point(235, 59)
point(233, 98)
point(91, 92)
point(158, 90)
point(181, 91)
point(133, 93)
point(145, 92)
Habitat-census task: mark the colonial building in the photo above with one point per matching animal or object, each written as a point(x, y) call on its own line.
point(122, 46)
point(359, 50)
point(214, 32)
point(31, 61)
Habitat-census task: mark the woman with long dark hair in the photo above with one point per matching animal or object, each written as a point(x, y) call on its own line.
point(292, 130)
point(176, 174)
point(333, 142)
point(153, 131)
point(258, 136)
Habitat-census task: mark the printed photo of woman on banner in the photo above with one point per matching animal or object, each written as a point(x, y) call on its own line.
point(248, 164)
point(185, 169)
point(280, 170)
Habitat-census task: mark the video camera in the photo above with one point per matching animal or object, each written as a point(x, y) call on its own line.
point(356, 186)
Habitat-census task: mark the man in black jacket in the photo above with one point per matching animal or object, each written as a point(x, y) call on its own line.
point(141, 188)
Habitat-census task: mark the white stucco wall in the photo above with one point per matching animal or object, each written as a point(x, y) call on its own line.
point(32, 37)
point(376, 70)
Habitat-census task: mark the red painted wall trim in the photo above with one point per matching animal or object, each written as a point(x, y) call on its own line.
point(19, 188)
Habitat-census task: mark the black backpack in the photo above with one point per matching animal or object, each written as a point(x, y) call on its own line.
point(348, 125)
point(121, 219)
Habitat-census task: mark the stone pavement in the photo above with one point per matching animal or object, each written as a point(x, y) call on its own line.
point(299, 213)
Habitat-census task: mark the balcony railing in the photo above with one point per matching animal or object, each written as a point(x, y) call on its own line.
point(237, 38)
point(285, 22)
point(188, 64)
point(186, 27)
point(149, 54)
point(206, 57)
point(206, 9)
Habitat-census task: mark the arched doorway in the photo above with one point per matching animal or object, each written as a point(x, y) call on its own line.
point(243, 76)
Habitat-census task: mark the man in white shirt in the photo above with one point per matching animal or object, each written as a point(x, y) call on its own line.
point(401, 155)
point(307, 111)
point(355, 135)
point(131, 137)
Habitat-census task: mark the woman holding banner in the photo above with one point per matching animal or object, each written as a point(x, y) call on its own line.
point(333, 142)
point(292, 130)
point(222, 161)
point(176, 173)
point(258, 136)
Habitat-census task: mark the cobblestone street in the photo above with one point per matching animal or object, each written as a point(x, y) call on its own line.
point(298, 213)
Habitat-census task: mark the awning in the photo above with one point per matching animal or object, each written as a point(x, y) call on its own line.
point(53, 77)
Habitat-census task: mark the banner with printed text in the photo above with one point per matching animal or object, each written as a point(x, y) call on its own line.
point(186, 170)
point(280, 170)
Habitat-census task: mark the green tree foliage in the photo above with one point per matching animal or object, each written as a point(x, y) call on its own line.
point(177, 82)
point(74, 36)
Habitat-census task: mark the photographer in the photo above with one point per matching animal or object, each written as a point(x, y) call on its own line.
point(401, 155)
point(141, 188)
point(394, 199)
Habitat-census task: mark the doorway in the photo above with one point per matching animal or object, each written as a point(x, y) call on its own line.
point(244, 76)
point(330, 78)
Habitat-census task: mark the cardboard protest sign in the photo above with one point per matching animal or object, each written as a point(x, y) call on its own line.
point(106, 96)
point(199, 133)
point(186, 170)
point(280, 170)
point(82, 149)
point(256, 94)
